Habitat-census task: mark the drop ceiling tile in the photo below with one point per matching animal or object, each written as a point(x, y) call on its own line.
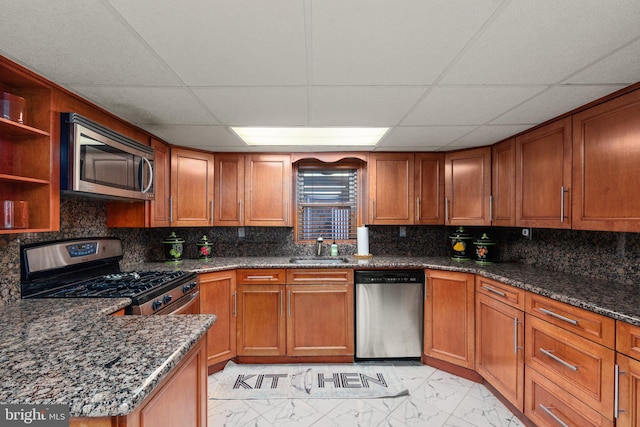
point(553, 102)
point(361, 105)
point(146, 105)
point(257, 106)
point(545, 41)
point(487, 135)
point(622, 66)
point(212, 138)
point(423, 138)
point(378, 42)
point(225, 43)
point(468, 105)
point(71, 42)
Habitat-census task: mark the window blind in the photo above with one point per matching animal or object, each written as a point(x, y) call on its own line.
point(327, 203)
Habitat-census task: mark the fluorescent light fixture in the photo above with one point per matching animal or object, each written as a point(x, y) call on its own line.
point(310, 136)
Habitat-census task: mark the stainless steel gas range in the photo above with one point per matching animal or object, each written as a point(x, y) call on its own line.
point(89, 268)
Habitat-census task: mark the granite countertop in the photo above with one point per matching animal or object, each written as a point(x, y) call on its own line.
point(72, 352)
point(617, 300)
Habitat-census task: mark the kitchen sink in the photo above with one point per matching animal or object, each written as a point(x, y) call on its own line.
point(318, 260)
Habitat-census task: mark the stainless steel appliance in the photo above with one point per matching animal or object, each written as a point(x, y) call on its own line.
point(96, 161)
point(389, 313)
point(89, 268)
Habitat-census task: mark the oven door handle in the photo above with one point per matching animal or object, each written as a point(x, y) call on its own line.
point(181, 306)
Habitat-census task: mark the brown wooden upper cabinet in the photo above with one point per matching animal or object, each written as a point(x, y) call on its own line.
point(606, 159)
point(29, 170)
point(503, 183)
point(391, 192)
point(429, 188)
point(467, 187)
point(229, 189)
point(543, 176)
point(268, 190)
point(191, 187)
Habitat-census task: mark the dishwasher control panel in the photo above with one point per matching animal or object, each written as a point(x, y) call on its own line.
point(388, 276)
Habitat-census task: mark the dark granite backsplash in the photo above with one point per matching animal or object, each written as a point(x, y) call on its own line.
point(601, 255)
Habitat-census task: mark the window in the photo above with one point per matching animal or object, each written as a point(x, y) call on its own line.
point(327, 202)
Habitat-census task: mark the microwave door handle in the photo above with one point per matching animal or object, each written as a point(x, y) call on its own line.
point(150, 174)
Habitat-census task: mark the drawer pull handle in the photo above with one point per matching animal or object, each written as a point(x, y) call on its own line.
point(558, 316)
point(552, 415)
point(557, 359)
point(259, 277)
point(495, 291)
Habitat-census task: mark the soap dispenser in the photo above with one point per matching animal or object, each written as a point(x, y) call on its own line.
point(334, 249)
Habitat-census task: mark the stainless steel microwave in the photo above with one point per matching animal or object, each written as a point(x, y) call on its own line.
point(98, 162)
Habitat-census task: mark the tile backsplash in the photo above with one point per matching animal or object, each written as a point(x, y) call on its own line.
point(605, 255)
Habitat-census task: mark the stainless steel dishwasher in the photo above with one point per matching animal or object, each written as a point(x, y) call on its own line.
point(389, 313)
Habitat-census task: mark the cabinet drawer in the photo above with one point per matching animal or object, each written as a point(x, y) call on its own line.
point(319, 276)
point(582, 367)
point(261, 276)
point(587, 324)
point(546, 404)
point(628, 339)
point(501, 292)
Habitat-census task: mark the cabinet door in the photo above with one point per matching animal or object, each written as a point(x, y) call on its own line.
point(218, 296)
point(229, 190)
point(467, 187)
point(449, 317)
point(629, 392)
point(429, 188)
point(606, 150)
point(543, 176)
point(320, 320)
point(391, 188)
point(500, 347)
point(268, 190)
point(261, 320)
point(503, 184)
point(160, 208)
point(191, 187)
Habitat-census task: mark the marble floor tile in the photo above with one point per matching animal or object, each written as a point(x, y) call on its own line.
point(435, 399)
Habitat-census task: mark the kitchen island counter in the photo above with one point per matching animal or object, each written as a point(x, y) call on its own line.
point(73, 352)
point(613, 299)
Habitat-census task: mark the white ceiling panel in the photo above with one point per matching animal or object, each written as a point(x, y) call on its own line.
point(78, 42)
point(423, 138)
point(367, 42)
point(621, 67)
point(214, 138)
point(554, 102)
point(218, 42)
point(462, 105)
point(257, 106)
point(361, 105)
point(545, 41)
point(486, 135)
point(160, 105)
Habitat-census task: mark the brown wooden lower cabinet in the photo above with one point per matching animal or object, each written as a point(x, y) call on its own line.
point(628, 404)
point(180, 400)
point(261, 320)
point(582, 367)
point(547, 404)
point(218, 296)
point(449, 317)
point(500, 347)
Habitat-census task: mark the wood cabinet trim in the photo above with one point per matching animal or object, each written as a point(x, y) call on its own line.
point(319, 276)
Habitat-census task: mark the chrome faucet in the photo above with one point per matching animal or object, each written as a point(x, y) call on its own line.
point(319, 246)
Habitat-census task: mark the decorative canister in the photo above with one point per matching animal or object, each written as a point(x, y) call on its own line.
point(173, 248)
point(204, 249)
point(485, 250)
point(460, 245)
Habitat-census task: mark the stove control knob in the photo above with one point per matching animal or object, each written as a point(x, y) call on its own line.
point(156, 305)
point(186, 288)
point(166, 299)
